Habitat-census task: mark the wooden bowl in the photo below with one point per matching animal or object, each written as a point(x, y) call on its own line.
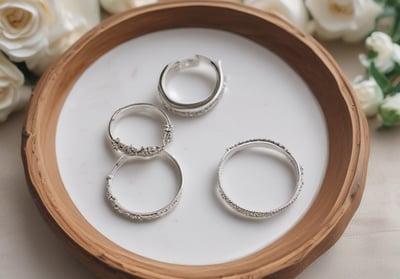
point(319, 229)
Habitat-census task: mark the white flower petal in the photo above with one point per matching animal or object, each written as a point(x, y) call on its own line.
point(382, 44)
point(292, 10)
point(364, 23)
point(347, 19)
point(325, 34)
point(364, 60)
point(118, 6)
point(73, 23)
point(369, 94)
point(327, 13)
point(11, 81)
point(24, 27)
point(392, 103)
point(6, 96)
point(10, 72)
point(87, 10)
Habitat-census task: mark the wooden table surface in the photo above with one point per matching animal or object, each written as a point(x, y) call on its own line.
point(369, 248)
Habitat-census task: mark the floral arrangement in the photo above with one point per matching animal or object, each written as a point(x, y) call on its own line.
point(33, 33)
point(378, 22)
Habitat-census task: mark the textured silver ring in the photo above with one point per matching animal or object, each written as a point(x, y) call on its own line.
point(195, 108)
point(144, 109)
point(269, 144)
point(142, 216)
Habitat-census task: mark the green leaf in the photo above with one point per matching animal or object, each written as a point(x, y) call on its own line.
point(396, 89)
point(396, 68)
point(393, 3)
point(388, 3)
point(390, 118)
point(30, 78)
point(382, 2)
point(372, 54)
point(395, 32)
point(380, 78)
point(394, 73)
point(391, 8)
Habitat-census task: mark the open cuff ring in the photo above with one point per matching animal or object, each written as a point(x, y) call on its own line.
point(195, 108)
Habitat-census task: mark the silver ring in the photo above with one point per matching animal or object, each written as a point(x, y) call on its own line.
point(297, 170)
point(146, 109)
point(190, 109)
point(142, 216)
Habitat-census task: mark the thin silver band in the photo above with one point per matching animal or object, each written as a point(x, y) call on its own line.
point(146, 109)
point(190, 109)
point(265, 143)
point(142, 216)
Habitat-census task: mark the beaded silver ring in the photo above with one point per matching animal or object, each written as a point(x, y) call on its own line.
point(142, 216)
point(196, 108)
point(146, 109)
point(265, 143)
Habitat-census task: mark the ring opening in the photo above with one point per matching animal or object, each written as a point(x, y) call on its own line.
point(191, 85)
point(139, 129)
point(136, 184)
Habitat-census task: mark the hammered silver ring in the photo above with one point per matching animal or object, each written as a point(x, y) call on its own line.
point(142, 216)
point(196, 108)
point(269, 144)
point(144, 109)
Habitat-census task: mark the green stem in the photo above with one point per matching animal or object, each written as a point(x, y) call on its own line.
point(394, 33)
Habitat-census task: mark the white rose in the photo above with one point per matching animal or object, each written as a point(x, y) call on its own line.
point(24, 26)
point(350, 20)
point(392, 103)
point(369, 94)
point(118, 6)
point(89, 10)
point(292, 10)
point(13, 95)
point(74, 20)
point(389, 113)
point(387, 53)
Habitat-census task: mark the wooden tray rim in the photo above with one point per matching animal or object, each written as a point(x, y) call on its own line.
point(101, 253)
